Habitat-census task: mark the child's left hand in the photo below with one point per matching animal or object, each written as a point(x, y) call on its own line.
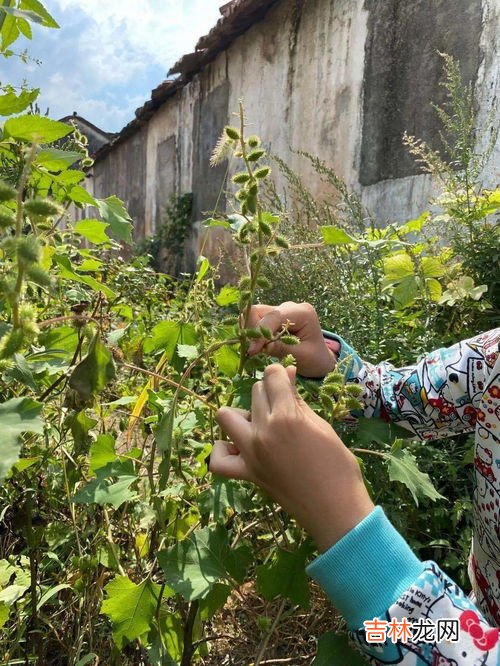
point(295, 456)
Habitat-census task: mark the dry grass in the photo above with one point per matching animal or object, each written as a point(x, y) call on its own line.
point(247, 623)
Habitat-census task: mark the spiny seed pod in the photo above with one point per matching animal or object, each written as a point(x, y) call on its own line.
point(244, 299)
point(230, 321)
point(289, 340)
point(263, 282)
point(266, 332)
point(354, 389)
point(42, 208)
point(288, 361)
point(87, 162)
point(232, 133)
point(7, 193)
point(282, 242)
point(244, 208)
point(265, 228)
point(39, 276)
point(272, 251)
point(241, 178)
point(254, 257)
point(255, 155)
point(352, 403)
point(252, 204)
point(253, 190)
point(331, 389)
point(7, 288)
point(253, 141)
point(117, 353)
point(7, 219)
point(263, 172)
point(11, 343)
point(253, 333)
point(28, 249)
point(241, 195)
point(333, 377)
point(245, 282)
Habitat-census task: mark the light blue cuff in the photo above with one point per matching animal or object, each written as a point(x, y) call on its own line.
point(349, 362)
point(367, 570)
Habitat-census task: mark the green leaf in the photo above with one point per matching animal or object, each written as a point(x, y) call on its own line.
point(432, 267)
point(9, 32)
point(216, 223)
point(102, 452)
point(12, 593)
point(227, 296)
point(203, 267)
point(66, 272)
point(79, 194)
point(17, 416)
point(93, 230)
point(398, 266)
point(114, 213)
point(415, 225)
point(334, 650)
point(189, 352)
point(406, 292)
point(286, 577)
point(375, 430)
point(37, 7)
point(130, 607)
point(227, 360)
point(435, 290)
point(403, 468)
point(94, 372)
point(20, 14)
point(224, 495)
point(4, 614)
point(336, 236)
point(103, 490)
point(11, 103)
point(167, 335)
point(194, 565)
point(214, 600)
point(55, 159)
point(33, 128)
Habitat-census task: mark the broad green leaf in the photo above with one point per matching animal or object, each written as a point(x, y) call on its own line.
point(194, 565)
point(79, 194)
point(286, 577)
point(214, 600)
point(94, 372)
point(224, 495)
point(415, 225)
point(167, 335)
point(33, 128)
point(189, 352)
point(216, 223)
point(68, 177)
point(4, 614)
point(10, 103)
point(398, 266)
point(164, 439)
point(9, 32)
point(114, 213)
point(432, 267)
point(335, 650)
point(63, 338)
point(130, 607)
point(20, 14)
point(66, 272)
point(403, 467)
point(227, 360)
point(406, 292)
point(52, 592)
point(104, 490)
point(89, 658)
point(167, 649)
point(81, 425)
point(102, 452)
point(17, 416)
point(93, 230)
point(37, 7)
point(435, 290)
point(376, 430)
point(12, 593)
point(55, 159)
point(336, 236)
point(227, 296)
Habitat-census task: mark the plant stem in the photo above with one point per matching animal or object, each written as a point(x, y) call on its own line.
point(267, 638)
point(189, 647)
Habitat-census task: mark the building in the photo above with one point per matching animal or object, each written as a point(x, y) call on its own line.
point(341, 79)
point(97, 138)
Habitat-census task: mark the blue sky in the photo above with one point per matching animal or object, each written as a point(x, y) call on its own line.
point(108, 54)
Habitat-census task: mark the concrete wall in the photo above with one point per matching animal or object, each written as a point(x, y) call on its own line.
point(341, 79)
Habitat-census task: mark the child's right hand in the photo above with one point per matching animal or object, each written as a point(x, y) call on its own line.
point(314, 358)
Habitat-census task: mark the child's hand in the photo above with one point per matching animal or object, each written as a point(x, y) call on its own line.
point(295, 456)
point(313, 357)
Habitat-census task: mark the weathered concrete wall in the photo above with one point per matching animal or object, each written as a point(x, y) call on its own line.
point(341, 79)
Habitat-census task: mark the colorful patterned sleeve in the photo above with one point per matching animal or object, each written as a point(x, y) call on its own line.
point(437, 397)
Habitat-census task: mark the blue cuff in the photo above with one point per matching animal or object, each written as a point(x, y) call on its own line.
point(349, 361)
point(367, 570)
